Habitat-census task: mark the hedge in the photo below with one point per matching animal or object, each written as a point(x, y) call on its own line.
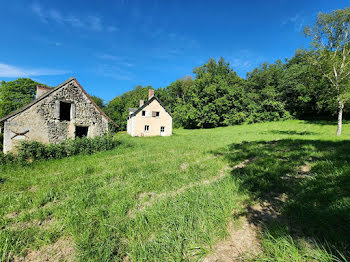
point(33, 150)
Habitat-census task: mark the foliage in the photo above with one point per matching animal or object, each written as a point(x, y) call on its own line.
point(218, 97)
point(7, 158)
point(331, 43)
point(99, 101)
point(15, 94)
point(33, 150)
point(118, 108)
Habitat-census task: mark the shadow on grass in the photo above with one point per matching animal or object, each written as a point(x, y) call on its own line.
point(291, 132)
point(325, 122)
point(307, 182)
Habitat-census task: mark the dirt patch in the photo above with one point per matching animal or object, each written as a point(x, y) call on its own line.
point(262, 213)
point(30, 211)
point(12, 215)
point(43, 224)
point(241, 243)
point(303, 172)
point(62, 250)
point(243, 240)
point(33, 189)
point(305, 168)
point(184, 166)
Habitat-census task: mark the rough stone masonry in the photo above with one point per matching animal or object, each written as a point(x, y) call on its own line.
point(55, 115)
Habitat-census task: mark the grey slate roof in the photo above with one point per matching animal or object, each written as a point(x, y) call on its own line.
point(147, 103)
point(20, 110)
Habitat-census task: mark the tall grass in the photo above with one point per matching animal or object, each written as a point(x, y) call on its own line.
point(121, 204)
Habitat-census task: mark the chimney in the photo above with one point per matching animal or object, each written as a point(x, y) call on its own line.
point(150, 93)
point(41, 90)
point(141, 102)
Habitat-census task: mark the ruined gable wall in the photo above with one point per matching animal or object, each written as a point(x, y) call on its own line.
point(42, 119)
point(28, 121)
point(84, 113)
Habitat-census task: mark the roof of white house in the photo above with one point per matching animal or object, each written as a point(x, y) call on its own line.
point(146, 104)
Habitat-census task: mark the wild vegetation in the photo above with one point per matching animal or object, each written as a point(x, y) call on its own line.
point(33, 150)
point(172, 198)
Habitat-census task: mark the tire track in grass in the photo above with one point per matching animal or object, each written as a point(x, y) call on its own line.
point(156, 196)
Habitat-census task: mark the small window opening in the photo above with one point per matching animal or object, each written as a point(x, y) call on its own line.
point(146, 128)
point(162, 129)
point(155, 114)
point(81, 131)
point(65, 109)
point(143, 113)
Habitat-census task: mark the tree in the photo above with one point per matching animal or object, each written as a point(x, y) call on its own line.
point(303, 87)
point(118, 108)
point(331, 43)
point(263, 85)
point(15, 94)
point(99, 101)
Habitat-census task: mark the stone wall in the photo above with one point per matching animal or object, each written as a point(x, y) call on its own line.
point(43, 123)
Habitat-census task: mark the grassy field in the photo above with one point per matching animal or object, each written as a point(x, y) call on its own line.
point(172, 198)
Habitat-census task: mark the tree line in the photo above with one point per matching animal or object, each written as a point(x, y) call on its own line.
point(313, 84)
point(217, 96)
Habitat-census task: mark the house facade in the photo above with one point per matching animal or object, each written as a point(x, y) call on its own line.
point(55, 115)
point(150, 119)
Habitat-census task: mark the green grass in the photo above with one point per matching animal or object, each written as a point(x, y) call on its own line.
point(95, 200)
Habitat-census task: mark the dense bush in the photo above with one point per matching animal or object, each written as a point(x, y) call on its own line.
point(6, 158)
point(33, 150)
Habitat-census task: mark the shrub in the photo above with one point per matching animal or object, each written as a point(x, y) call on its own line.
point(33, 150)
point(6, 158)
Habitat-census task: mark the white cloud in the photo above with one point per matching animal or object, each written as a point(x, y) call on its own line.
point(13, 71)
point(91, 22)
point(297, 21)
point(241, 63)
point(111, 29)
point(95, 23)
point(115, 59)
point(114, 72)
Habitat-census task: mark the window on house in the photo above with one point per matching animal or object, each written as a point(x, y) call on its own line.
point(143, 113)
point(146, 128)
point(81, 131)
point(162, 129)
point(155, 114)
point(65, 111)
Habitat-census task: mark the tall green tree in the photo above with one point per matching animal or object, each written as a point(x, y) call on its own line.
point(263, 86)
point(99, 101)
point(303, 88)
point(331, 42)
point(15, 94)
point(118, 108)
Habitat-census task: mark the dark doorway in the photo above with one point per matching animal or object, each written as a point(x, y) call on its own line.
point(81, 131)
point(65, 109)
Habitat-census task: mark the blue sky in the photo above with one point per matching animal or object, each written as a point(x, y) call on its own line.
point(112, 46)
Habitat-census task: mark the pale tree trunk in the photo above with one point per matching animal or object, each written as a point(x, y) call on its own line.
point(340, 117)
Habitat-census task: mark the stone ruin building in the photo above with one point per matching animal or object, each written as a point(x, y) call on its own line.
point(56, 114)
